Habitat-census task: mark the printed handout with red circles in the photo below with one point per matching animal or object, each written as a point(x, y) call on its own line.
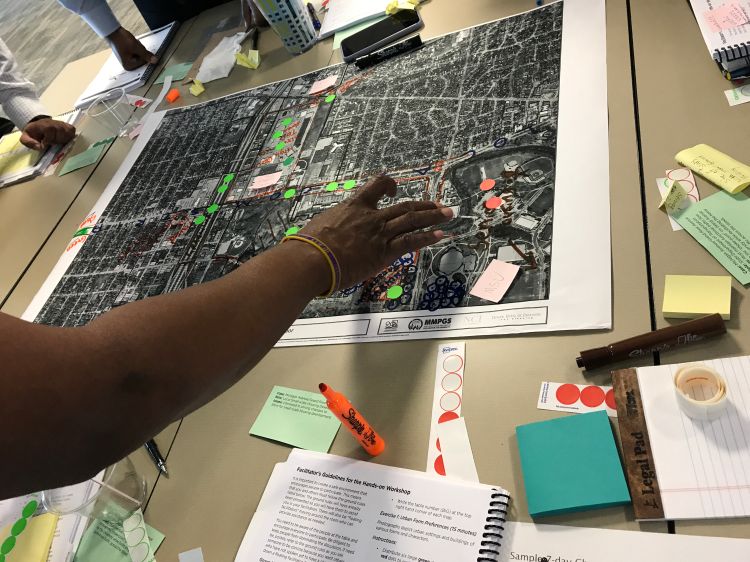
point(577, 398)
point(447, 398)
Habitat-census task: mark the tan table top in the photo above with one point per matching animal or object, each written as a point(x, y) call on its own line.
point(681, 103)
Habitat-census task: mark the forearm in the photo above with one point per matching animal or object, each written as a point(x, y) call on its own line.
point(17, 95)
point(96, 13)
point(98, 392)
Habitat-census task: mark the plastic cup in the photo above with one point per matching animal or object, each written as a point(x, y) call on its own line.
point(112, 111)
point(114, 497)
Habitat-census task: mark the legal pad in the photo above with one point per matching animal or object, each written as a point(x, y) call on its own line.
point(571, 464)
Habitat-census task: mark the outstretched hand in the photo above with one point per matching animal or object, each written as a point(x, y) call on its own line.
point(367, 239)
point(42, 133)
point(129, 51)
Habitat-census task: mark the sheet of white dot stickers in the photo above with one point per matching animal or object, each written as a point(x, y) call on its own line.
point(447, 398)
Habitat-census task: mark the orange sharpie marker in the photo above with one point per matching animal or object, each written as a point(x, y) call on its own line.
point(353, 420)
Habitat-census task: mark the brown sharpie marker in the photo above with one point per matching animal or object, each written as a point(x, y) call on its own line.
point(659, 340)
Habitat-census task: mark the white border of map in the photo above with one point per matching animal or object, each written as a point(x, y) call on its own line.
point(580, 291)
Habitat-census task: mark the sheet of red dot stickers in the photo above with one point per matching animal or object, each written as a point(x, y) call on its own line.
point(447, 398)
point(577, 398)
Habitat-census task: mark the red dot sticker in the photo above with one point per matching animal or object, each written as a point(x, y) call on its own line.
point(437, 444)
point(493, 202)
point(487, 184)
point(592, 396)
point(610, 399)
point(567, 394)
point(447, 416)
point(439, 466)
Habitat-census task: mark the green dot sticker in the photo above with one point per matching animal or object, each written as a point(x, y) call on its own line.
point(286, 122)
point(199, 220)
point(30, 508)
point(288, 160)
point(289, 193)
point(350, 184)
point(330, 98)
point(277, 134)
point(333, 186)
point(281, 145)
point(212, 209)
point(292, 230)
point(222, 188)
point(395, 292)
point(228, 178)
point(18, 527)
point(8, 545)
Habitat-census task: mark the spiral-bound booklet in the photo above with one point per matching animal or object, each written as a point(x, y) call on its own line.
point(725, 27)
point(324, 507)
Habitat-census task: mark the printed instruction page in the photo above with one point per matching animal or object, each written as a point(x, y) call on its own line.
point(327, 508)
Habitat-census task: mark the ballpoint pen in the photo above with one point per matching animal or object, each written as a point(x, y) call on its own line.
point(154, 453)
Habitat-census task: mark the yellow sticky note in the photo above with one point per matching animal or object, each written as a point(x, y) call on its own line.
point(249, 60)
point(691, 296)
point(675, 199)
point(197, 88)
point(396, 5)
point(33, 544)
point(716, 167)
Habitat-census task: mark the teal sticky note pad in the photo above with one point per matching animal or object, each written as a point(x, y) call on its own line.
point(297, 417)
point(571, 464)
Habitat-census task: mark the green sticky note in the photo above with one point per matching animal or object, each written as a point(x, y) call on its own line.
point(720, 224)
point(176, 71)
point(104, 541)
point(298, 418)
point(85, 158)
point(571, 464)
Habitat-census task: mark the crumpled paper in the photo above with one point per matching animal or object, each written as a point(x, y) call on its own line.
point(219, 62)
point(397, 5)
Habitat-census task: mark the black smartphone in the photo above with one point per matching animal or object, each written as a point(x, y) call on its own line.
point(381, 34)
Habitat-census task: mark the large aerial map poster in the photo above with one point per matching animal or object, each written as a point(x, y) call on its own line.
point(473, 120)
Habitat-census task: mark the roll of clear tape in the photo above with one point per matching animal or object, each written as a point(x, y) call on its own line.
point(701, 391)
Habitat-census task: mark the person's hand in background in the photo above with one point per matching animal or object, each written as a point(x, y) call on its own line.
point(129, 51)
point(39, 134)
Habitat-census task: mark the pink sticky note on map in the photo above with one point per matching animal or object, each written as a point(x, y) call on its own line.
point(323, 84)
point(494, 282)
point(266, 180)
point(726, 16)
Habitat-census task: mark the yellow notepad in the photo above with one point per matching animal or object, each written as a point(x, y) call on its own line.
point(691, 296)
point(15, 157)
point(33, 544)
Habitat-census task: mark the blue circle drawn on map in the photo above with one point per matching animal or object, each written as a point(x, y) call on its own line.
point(407, 259)
point(501, 142)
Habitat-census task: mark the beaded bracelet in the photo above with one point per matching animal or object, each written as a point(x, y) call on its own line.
point(328, 254)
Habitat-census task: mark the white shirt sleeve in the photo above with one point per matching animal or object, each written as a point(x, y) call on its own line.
point(17, 95)
point(96, 13)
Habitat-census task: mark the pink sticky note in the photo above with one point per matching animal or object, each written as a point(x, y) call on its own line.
point(726, 16)
point(323, 84)
point(265, 180)
point(494, 282)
